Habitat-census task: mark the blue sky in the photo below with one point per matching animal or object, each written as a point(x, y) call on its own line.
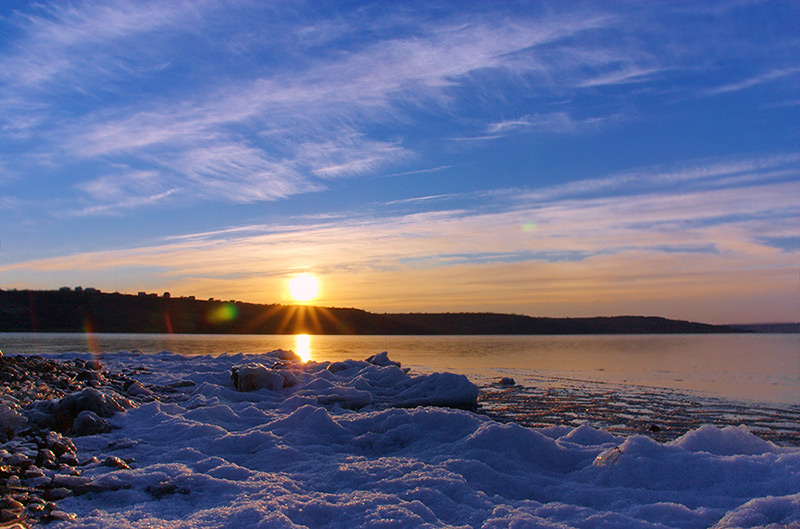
point(557, 158)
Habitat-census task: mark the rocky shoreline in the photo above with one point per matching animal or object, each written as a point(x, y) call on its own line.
point(43, 404)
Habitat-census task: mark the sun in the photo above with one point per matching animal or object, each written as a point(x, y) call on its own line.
point(303, 287)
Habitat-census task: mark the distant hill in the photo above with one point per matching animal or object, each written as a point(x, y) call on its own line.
point(89, 310)
point(790, 328)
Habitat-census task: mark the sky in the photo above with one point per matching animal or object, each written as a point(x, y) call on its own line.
point(540, 158)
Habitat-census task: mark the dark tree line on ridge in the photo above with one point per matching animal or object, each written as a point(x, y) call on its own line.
point(89, 310)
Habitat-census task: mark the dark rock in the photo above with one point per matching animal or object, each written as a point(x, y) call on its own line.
point(182, 384)
point(507, 381)
point(162, 488)
point(94, 365)
point(88, 423)
point(654, 428)
point(58, 493)
point(115, 462)
point(46, 458)
point(59, 444)
point(59, 516)
point(7, 516)
point(165, 488)
point(90, 376)
point(10, 504)
point(68, 459)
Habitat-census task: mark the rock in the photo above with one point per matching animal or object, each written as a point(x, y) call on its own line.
point(507, 381)
point(162, 488)
point(58, 493)
point(59, 444)
point(251, 377)
point(46, 458)
point(382, 359)
point(115, 462)
point(68, 459)
point(11, 421)
point(89, 376)
point(7, 516)
point(10, 504)
point(94, 365)
point(182, 384)
point(33, 472)
point(165, 488)
point(136, 389)
point(88, 423)
point(59, 516)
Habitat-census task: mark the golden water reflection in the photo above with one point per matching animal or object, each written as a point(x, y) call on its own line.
point(303, 346)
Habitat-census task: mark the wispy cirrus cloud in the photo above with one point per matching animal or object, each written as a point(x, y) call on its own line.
point(553, 123)
point(755, 80)
point(270, 135)
point(81, 41)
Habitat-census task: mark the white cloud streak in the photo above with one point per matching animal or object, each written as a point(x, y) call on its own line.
point(310, 116)
point(757, 80)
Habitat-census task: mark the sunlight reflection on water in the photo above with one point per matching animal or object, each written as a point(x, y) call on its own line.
point(303, 347)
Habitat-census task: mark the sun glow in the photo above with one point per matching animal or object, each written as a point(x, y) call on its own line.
point(303, 287)
point(303, 347)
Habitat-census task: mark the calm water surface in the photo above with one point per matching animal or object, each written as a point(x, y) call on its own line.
point(759, 367)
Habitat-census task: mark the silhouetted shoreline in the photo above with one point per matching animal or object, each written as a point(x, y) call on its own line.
point(90, 310)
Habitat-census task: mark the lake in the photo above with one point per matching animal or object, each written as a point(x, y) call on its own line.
point(751, 367)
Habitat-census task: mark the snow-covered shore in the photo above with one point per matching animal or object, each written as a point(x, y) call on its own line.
point(366, 444)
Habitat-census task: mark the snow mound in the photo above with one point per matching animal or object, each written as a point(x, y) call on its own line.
point(367, 445)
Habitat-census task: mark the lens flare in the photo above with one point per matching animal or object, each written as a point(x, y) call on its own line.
point(222, 313)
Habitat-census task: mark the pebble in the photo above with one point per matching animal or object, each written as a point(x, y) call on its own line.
point(58, 493)
point(7, 516)
point(115, 462)
point(40, 400)
point(59, 516)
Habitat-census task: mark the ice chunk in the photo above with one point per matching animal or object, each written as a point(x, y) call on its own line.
point(608, 457)
point(382, 359)
point(251, 377)
point(439, 389)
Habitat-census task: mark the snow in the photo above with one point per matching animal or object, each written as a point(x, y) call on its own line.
point(360, 444)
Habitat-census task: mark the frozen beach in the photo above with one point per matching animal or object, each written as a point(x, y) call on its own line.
point(368, 444)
